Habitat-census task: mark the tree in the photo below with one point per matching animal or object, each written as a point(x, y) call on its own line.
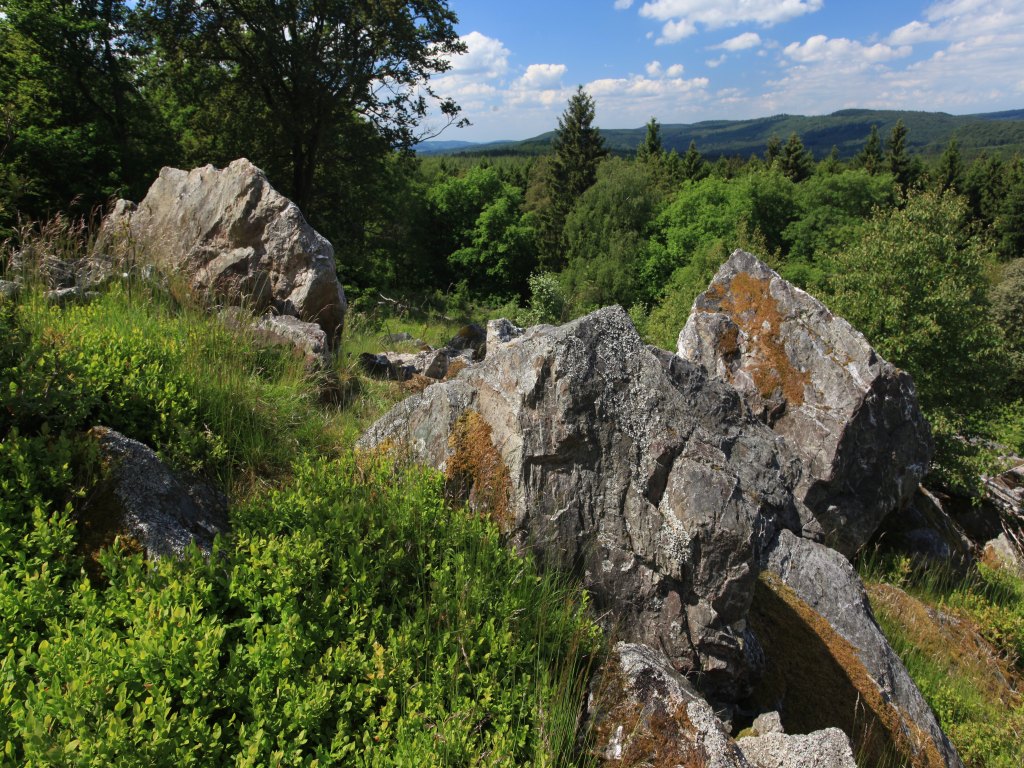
point(870, 158)
point(772, 150)
point(651, 148)
point(1009, 221)
point(316, 69)
point(578, 148)
point(915, 283)
point(896, 155)
point(950, 172)
point(693, 165)
point(795, 162)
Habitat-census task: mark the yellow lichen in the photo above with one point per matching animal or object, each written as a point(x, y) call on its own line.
point(476, 472)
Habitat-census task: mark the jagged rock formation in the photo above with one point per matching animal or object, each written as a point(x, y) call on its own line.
point(145, 503)
point(851, 416)
point(820, 590)
point(683, 514)
point(651, 482)
point(235, 239)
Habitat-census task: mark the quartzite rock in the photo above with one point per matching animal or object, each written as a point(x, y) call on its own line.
point(852, 417)
point(649, 481)
point(827, 583)
point(827, 748)
point(142, 499)
point(236, 240)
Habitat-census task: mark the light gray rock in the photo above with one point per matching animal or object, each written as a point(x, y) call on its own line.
point(1003, 553)
point(501, 331)
point(235, 239)
point(640, 711)
point(646, 479)
point(307, 338)
point(142, 499)
point(828, 748)
point(767, 722)
point(852, 417)
point(9, 290)
point(828, 584)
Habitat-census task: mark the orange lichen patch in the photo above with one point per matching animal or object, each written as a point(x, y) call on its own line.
point(749, 303)
point(952, 640)
point(626, 734)
point(476, 472)
point(453, 369)
point(815, 679)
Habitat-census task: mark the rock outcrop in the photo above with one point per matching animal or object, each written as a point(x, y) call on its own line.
point(235, 239)
point(815, 589)
point(851, 416)
point(646, 478)
point(145, 503)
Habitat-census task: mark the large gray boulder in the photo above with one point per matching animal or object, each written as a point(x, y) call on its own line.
point(146, 504)
point(830, 600)
point(852, 417)
point(827, 748)
point(235, 239)
point(640, 474)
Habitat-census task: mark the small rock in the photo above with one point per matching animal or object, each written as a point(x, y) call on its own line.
point(1002, 553)
point(768, 722)
point(141, 499)
point(308, 338)
point(9, 290)
point(501, 331)
point(828, 748)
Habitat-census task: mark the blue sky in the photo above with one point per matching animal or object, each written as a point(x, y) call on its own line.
point(688, 60)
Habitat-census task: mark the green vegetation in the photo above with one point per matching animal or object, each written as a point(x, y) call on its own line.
point(354, 617)
point(969, 667)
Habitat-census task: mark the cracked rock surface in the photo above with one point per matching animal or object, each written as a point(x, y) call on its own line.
point(636, 471)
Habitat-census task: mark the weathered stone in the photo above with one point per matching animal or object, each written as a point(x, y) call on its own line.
point(828, 748)
point(925, 531)
point(830, 592)
point(501, 331)
point(237, 241)
point(9, 290)
point(470, 336)
point(852, 417)
point(1000, 552)
point(640, 711)
point(141, 500)
point(388, 366)
point(649, 481)
point(307, 338)
point(767, 722)
point(62, 297)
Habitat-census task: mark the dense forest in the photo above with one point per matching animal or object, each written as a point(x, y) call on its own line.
point(924, 253)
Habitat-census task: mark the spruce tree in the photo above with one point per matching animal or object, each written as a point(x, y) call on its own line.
point(651, 148)
point(772, 150)
point(899, 162)
point(950, 173)
point(870, 158)
point(579, 147)
point(694, 166)
point(795, 162)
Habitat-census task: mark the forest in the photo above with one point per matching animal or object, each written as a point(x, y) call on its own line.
point(922, 253)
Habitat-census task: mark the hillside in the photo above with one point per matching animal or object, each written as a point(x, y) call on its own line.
point(929, 133)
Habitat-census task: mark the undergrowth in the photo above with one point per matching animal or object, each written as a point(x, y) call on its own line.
point(353, 617)
point(962, 641)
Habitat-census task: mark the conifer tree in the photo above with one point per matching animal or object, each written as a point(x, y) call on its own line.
point(772, 150)
point(694, 166)
point(896, 155)
point(651, 148)
point(796, 162)
point(870, 158)
point(579, 147)
point(950, 173)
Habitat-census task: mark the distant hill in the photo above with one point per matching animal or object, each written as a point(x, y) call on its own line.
point(928, 134)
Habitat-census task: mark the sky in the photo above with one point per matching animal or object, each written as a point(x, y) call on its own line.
point(683, 61)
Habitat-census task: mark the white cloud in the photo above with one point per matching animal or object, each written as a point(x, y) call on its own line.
point(740, 42)
point(674, 31)
point(654, 69)
point(485, 56)
point(621, 5)
point(538, 76)
point(715, 62)
point(681, 17)
point(850, 52)
point(676, 70)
